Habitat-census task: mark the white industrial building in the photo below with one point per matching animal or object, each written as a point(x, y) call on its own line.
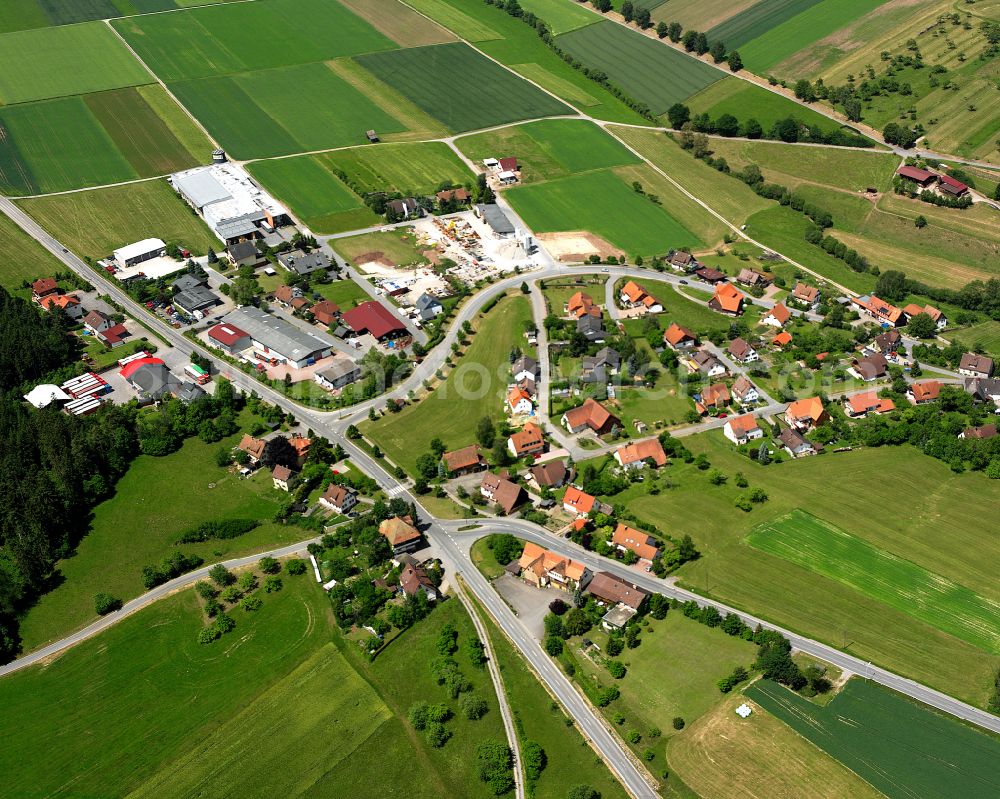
point(229, 200)
point(144, 250)
point(276, 338)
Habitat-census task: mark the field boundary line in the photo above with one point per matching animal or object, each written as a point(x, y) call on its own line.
point(159, 80)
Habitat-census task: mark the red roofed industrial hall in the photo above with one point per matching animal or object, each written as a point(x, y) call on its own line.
point(374, 318)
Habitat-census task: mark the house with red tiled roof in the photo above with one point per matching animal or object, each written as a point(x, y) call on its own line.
point(628, 539)
point(635, 296)
point(741, 351)
point(463, 461)
point(577, 502)
point(325, 312)
point(804, 295)
point(679, 338)
point(745, 392)
point(639, 454)
point(805, 414)
point(503, 492)
point(727, 300)
point(373, 318)
point(340, 499)
point(253, 447)
point(67, 303)
point(43, 287)
point(401, 534)
point(782, 339)
point(590, 415)
point(776, 316)
point(581, 304)
point(519, 401)
point(529, 440)
point(716, 396)
point(542, 567)
point(741, 429)
point(860, 405)
point(880, 310)
point(923, 392)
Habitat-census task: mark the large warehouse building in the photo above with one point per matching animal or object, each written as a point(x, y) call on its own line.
point(277, 338)
point(231, 203)
point(144, 250)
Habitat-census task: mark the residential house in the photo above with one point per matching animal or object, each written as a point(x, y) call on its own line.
point(805, 414)
point(341, 372)
point(290, 297)
point(404, 208)
point(982, 389)
point(542, 567)
point(975, 365)
point(888, 342)
point(253, 447)
point(614, 590)
point(635, 296)
point(777, 316)
point(741, 429)
point(745, 392)
point(244, 253)
point(679, 338)
point(860, 405)
point(597, 368)
point(282, 477)
point(682, 261)
point(551, 474)
point(325, 312)
point(869, 367)
point(948, 185)
point(795, 443)
point(43, 287)
point(401, 534)
point(753, 278)
point(727, 300)
point(639, 454)
point(710, 275)
point(580, 304)
point(67, 303)
point(340, 499)
point(741, 351)
point(591, 328)
point(578, 503)
point(881, 311)
point(782, 339)
point(413, 580)
point(806, 296)
point(715, 396)
point(923, 392)
point(97, 322)
point(459, 195)
point(114, 336)
point(981, 433)
point(937, 317)
point(628, 539)
point(503, 492)
point(427, 307)
point(463, 461)
point(707, 363)
point(590, 415)
point(529, 440)
point(519, 401)
point(525, 368)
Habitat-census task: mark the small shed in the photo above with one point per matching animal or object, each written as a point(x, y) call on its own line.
point(372, 136)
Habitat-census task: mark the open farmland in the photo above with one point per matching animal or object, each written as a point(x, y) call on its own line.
point(451, 411)
point(245, 37)
point(984, 337)
point(456, 85)
point(254, 115)
point(819, 546)
point(798, 32)
point(561, 17)
point(756, 20)
point(18, 15)
point(56, 62)
point(550, 148)
point(409, 168)
point(54, 145)
point(400, 23)
point(748, 101)
point(94, 223)
point(699, 14)
point(314, 193)
point(935, 523)
point(903, 748)
point(649, 71)
point(21, 257)
point(601, 203)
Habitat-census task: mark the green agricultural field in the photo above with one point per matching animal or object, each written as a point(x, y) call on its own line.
point(315, 194)
point(21, 257)
point(550, 148)
point(561, 17)
point(56, 62)
point(55, 145)
point(933, 524)
point(901, 747)
point(727, 196)
point(18, 15)
point(569, 759)
point(747, 101)
point(699, 14)
point(476, 386)
point(511, 42)
point(821, 547)
point(184, 129)
point(984, 337)
point(456, 85)
point(798, 32)
point(132, 530)
point(418, 168)
point(756, 20)
point(244, 37)
point(254, 115)
point(94, 223)
point(601, 203)
point(793, 164)
point(649, 71)
point(399, 22)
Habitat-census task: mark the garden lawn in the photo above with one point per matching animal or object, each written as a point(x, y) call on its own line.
point(458, 86)
point(724, 194)
point(647, 70)
point(667, 403)
point(901, 747)
point(155, 502)
point(254, 115)
point(798, 32)
point(819, 546)
point(70, 723)
point(983, 337)
point(550, 148)
point(935, 524)
point(721, 756)
point(601, 203)
point(244, 37)
point(56, 62)
point(792, 164)
point(21, 257)
point(318, 197)
point(94, 223)
point(56, 145)
point(474, 389)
